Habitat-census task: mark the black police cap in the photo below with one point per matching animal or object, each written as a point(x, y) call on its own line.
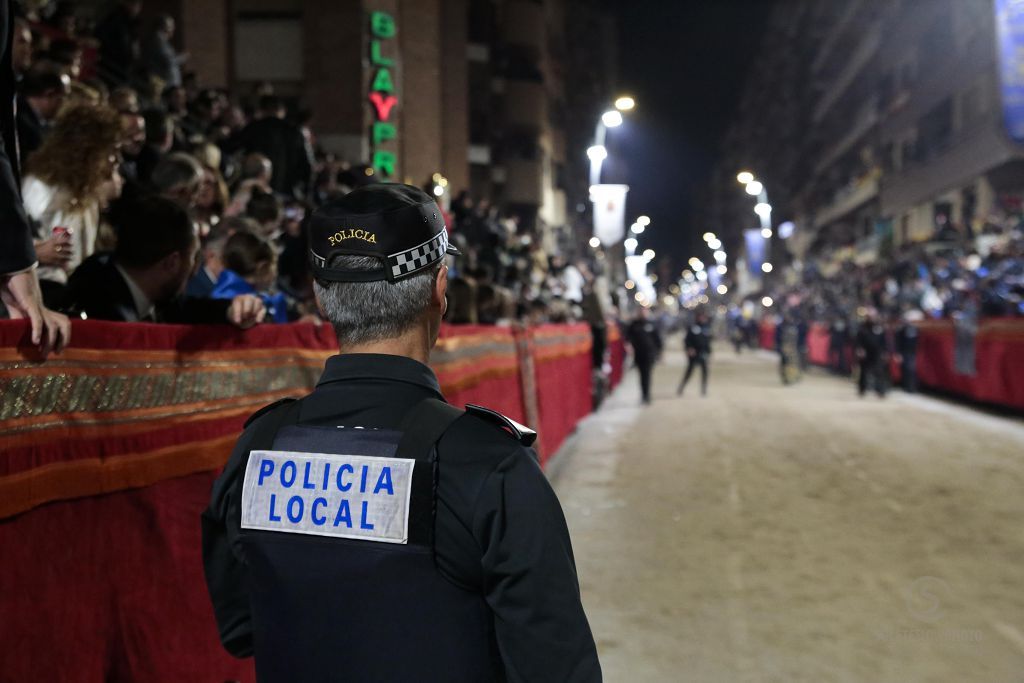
point(399, 224)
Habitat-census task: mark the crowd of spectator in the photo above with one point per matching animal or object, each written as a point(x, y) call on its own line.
point(125, 155)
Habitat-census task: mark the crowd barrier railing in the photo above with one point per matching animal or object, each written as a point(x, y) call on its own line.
point(108, 453)
point(984, 363)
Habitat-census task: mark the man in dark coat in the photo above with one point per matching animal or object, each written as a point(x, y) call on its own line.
point(281, 142)
point(698, 350)
point(642, 334)
point(873, 354)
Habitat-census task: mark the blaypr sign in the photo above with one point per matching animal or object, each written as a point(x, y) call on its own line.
point(382, 96)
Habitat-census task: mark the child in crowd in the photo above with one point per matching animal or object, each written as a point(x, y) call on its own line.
point(250, 267)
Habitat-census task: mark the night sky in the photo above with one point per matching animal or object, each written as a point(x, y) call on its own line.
point(686, 67)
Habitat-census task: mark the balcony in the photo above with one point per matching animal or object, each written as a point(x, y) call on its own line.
point(858, 60)
point(853, 196)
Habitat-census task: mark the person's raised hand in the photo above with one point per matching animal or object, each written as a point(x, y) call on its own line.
point(246, 310)
point(51, 331)
point(55, 251)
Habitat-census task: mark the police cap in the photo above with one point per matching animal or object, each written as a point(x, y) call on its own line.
point(399, 224)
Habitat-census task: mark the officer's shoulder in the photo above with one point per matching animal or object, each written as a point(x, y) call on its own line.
point(491, 422)
point(266, 409)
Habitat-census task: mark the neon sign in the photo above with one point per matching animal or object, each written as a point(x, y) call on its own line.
point(382, 94)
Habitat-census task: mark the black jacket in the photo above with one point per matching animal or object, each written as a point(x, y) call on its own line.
point(498, 528)
point(645, 339)
point(698, 338)
point(30, 129)
point(285, 146)
point(16, 250)
point(98, 289)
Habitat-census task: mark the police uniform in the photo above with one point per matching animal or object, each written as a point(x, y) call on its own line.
point(372, 532)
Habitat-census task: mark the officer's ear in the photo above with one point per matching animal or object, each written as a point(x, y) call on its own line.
point(440, 289)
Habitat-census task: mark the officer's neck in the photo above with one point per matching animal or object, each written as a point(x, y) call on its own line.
point(414, 344)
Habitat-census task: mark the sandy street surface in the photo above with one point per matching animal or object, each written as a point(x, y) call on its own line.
point(771, 533)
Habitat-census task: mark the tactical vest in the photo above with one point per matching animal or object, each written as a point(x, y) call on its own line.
point(373, 606)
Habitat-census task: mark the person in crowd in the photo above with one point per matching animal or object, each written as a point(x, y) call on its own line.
point(41, 94)
point(788, 345)
point(19, 282)
point(213, 192)
point(158, 56)
point(256, 172)
point(133, 140)
point(250, 267)
point(212, 257)
point(22, 48)
point(266, 210)
point(645, 339)
point(873, 355)
point(125, 100)
point(281, 142)
point(698, 349)
point(118, 36)
point(838, 344)
point(906, 337)
point(294, 275)
point(68, 182)
point(178, 177)
point(159, 140)
point(67, 55)
point(144, 278)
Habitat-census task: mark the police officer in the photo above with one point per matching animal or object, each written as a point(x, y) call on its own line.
point(698, 348)
point(370, 531)
point(643, 335)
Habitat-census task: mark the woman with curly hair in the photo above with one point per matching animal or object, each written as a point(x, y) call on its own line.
point(68, 181)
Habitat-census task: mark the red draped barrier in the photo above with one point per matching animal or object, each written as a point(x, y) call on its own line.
point(616, 354)
point(109, 452)
point(767, 333)
point(562, 372)
point(998, 376)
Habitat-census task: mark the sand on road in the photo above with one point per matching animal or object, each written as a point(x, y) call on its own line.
point(770, 533)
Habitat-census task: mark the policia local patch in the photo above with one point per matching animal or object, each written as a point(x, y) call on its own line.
point(344, 496)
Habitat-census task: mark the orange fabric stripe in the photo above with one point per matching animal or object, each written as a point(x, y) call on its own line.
point(94, 476)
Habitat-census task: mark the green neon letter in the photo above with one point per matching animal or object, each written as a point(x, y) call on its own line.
point(382, 82)
point(382, 25)
point(375, 57)
point(384, 162)
point(382, 132)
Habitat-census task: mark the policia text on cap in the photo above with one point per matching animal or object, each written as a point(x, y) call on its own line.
point(370, 531)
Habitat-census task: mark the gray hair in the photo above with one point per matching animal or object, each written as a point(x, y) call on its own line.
point(362, 312)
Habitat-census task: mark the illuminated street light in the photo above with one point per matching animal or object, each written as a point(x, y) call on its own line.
point(766, 267)
point(595, 242)
point(719, 255)
point(763, 209)
point(715, 244)
point(754, 188)
point(745, 177)
point(625, 103)
point(630, 284)
point(722, 289)
point(636, 229)
point(648, 254)
point(709, 236)
point(597, 153)
point(722, 270)
point(767, 302)
point(644, 221)
point(611, 119)
point(766, 232)
point(702, 276)
point(630, 243)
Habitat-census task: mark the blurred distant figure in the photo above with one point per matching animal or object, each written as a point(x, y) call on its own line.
point(698, 350)
point(282, 143)
point(872, 353)
point(118, 38)
point(158, 55)
point(787, 343)
point(642, 334)
point(906, 351)
point(838, 340)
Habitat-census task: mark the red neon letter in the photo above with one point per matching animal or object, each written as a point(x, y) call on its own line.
point(383, 105)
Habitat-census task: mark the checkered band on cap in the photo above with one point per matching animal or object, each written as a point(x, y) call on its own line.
point(407, 262)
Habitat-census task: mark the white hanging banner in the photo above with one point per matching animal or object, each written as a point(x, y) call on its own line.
point(609, 212)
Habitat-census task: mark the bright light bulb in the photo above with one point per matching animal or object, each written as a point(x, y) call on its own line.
point(597, 153)
point(636, 229)
point(438, 190)
point(722, 289)
point(639, 297)
point(745, 177)
point(595, 242)
point(766, 267)
point(630, 243)
point(719, 255)
point(766, 233)
point(709, 236)
point(715, 244)
point(611, 119)
point(625, 103)
point(763, 209)
point(643, 220)
point(722, 270)
point(754, 188)
point(767, 302)
point(630, 284)
point(648, 254)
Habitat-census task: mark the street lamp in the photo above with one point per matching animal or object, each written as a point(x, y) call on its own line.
point(612, 118)
point(609, 119)
point(754, 188)
point(597, 154)
point(595, 242)
point(643, 220)
point(745, 177)
point(625, 103)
